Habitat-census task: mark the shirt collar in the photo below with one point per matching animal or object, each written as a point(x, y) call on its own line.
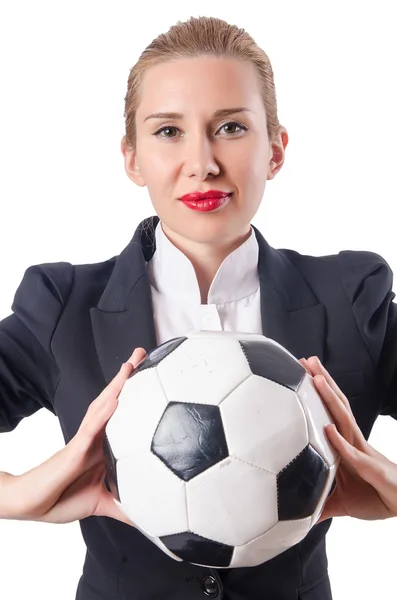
point(172, 273)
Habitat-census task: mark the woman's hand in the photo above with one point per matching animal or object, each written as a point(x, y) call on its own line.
point(70, 485)
point(366, 481)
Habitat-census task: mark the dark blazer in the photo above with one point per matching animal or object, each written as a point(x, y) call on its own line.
point(73, 325)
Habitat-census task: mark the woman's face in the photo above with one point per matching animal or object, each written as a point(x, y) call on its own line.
point(200, 126)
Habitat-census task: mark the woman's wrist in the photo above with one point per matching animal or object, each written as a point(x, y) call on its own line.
point(5, 500)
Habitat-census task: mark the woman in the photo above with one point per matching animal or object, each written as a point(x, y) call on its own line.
point(202, 134)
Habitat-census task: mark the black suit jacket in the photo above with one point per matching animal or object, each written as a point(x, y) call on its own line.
point(73, 325)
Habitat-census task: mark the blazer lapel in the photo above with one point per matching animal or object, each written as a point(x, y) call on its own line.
point(291, 314)
point(123, 318)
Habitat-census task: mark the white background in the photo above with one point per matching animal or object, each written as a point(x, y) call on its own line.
point(65, 197)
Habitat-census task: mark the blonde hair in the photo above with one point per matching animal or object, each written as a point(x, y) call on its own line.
point(197, 37)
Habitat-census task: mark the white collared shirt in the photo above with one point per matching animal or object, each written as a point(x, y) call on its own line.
point(233, 302)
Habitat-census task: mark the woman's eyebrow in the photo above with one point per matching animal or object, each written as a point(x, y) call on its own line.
point(222, 112)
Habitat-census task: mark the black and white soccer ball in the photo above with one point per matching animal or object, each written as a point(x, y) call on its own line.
point(217, 450)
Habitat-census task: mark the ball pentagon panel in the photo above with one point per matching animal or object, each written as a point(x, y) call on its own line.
point(301, 484)
point(199, 550)
point(269, 360)
point(189, 438)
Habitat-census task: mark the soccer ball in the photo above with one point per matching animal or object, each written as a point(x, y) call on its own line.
point(217, 450)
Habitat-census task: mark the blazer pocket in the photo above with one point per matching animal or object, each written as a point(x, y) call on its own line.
point(350, 382)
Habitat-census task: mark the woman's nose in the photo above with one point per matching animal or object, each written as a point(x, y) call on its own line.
point(200, 159)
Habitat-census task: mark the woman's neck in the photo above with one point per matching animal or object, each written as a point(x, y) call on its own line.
point(205, 258)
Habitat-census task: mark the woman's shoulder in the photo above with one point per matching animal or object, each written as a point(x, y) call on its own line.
point(48, 286)
point(59, 277)
point(348, 262)
point(364, 275)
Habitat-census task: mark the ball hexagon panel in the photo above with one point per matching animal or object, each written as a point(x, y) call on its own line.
point(199, 550)
point(264, 424)
point(189, 438)
point(317, 417)
point(202, 374)
point(301, 484)
point(141, 404)
point(223, 502)
point(153, 497)
point(279, 538)
point(268, 359)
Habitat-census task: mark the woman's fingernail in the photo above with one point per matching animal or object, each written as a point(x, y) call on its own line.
point(131, 358)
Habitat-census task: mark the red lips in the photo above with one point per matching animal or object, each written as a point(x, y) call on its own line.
point(210, 195)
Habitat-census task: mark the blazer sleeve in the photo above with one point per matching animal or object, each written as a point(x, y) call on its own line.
point(368, 281)
point(28, 370)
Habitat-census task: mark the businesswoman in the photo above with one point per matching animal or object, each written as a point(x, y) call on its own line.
point(202, 134)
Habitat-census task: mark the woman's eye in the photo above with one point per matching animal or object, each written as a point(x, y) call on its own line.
point(166, 132)
point(170, 131)
point(233, 127)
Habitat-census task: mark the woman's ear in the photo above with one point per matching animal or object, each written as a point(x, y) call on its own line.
point(278, 152)
point(131, 164)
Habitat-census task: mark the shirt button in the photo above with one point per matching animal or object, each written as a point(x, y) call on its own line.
point(210, 586)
